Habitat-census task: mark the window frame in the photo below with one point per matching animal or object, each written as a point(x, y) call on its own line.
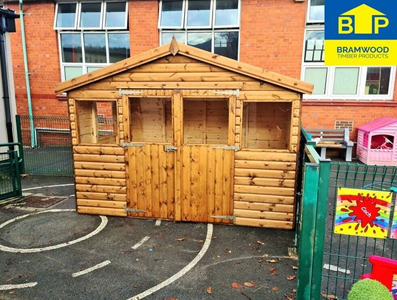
point(329, 84)
point(75, 19)
point(308, 20)
point(228, 26)
point(213, 29)
point(80, 4)
point(105, 4)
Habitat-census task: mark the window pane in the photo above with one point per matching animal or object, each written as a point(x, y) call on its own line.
point(90, 15)
point(119, 46)
point(115, 15)
point(377, 82)
point(71, 47)
point(66, 17)
point(314, 47)
point(166, 37)
point(198, 13)
point(90, 69)
point(318, 77)
point(95, 48)
point(202, 40)
point(226, 13)
point(226, 44)
point(316, 10)
point(72, 72)
point(171, 13)
point(345, 81)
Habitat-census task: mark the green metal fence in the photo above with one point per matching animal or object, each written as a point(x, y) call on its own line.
point(10, 165)
point(51, 153)
point(346, 257)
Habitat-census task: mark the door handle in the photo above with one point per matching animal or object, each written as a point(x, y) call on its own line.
point(168, 148)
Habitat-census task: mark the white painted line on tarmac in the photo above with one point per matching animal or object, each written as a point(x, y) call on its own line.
point(104, 222)
point(72, 195)
point(140, 243)
point(181, 272)
point(336, 269)
point(47, 186)
point(98, 266)
point(7, 287)
point(158, 223)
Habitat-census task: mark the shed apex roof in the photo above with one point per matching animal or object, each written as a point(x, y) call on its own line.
point(376, 124)
point(175, 48)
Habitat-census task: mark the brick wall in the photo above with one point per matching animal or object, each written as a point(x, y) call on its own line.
point(271, 37)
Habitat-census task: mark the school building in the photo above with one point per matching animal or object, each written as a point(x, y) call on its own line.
point(68, 38)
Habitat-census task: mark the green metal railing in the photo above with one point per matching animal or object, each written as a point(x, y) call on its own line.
point(11, 164)
point(345, 255)
point(52, 151)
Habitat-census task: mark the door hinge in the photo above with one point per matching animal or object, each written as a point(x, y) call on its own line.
point(135, 210)
point(229, 93)
point(123, 92)
point(131, 145)
point(225, 147)
point(168, 148)
point(224, 217)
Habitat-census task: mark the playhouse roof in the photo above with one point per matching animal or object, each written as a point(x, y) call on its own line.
point(376, 124)
point(176, 48)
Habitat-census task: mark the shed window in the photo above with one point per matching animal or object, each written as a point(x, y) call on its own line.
point(211, 25)
point(151, 120)
point(97, 122)
point(266, 125)
point(205, 121)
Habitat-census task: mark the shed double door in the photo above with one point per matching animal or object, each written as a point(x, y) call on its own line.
point(180, 155)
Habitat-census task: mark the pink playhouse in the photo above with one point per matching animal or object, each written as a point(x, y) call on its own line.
point(376, 142)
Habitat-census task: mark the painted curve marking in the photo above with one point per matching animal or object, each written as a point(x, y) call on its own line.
point(181, 272)
point(101, 226)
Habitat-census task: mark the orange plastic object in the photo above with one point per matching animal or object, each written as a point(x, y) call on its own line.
point(383, 270)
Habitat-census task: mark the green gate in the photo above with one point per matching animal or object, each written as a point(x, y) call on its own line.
point(330, 263)
point(11, 165)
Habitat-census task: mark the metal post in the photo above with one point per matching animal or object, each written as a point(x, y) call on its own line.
point(20, 146)
point(307, 231)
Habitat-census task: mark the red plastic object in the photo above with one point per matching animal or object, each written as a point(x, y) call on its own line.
point(383, 270)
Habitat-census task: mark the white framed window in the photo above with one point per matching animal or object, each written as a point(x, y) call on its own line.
point(342, 82)
point(211, 25)
point(91, 35)
point(315, 11)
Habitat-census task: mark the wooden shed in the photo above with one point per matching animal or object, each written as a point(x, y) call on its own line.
point(183, 134)
point(376, 142)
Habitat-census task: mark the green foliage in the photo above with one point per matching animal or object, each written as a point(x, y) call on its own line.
point(369, 289)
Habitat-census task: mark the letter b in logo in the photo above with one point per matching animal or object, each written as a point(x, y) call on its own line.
point(345, 25)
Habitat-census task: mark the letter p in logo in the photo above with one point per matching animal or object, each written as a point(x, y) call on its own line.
point(380, 22)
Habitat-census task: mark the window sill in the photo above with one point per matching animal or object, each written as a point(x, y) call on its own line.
point(361, 103)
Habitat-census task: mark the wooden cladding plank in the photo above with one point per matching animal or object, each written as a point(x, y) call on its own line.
point(177, 67)
point(101, 196)
point(101, 181)
point(98, 150)
point(264, 190)
point(254, 214)
point(266, 165)
point(266, 156)
point(109, 84)
point(264, 182)
point(253, 96)
point(101, 203)
point(255, 173)
point(263, 206)
point(99, 158)
point(100, 173)
point(264, 223)
point(101, 188)
point(101, 211)
point(248, 197)
point(179, 77)
point(99, 166)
